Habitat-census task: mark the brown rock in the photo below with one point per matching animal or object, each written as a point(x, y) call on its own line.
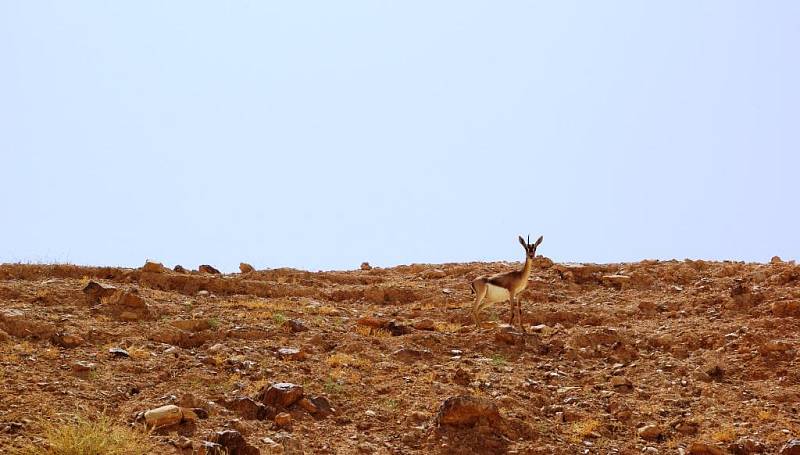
point(746, 446)
point(323, 406)
point(785, 308)
point(366, 266)
point(234, 443)
point(192, 325)
point(650, 432)
point(67, 340)
point(408, 355)
point(126, 306)
point(95, 291)
point(163, 416)
point(205, 268)
point(180, 269)
point(308, 405)
point(83, 367)
point(294, 326)
point(791, 448)
point(371, 321)
point(177, 337)
point(4, 336)
point(284, 419)
point(291, 354)
point(701, 448)
point(154, 267)
point(249, 409)
point(467, 410)
point(246, 268)
point(210, 448)
point(21, 325)
point(424, 324)
point(507, 334)
point(621, 384)
point(280, 395)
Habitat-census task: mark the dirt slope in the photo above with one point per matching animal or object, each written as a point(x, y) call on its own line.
point(622, 358)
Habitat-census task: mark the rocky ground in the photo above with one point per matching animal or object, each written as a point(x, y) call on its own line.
point(651, 357)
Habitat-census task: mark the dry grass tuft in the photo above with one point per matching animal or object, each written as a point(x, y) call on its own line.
point(724, 435)
point(341, 359)
point(446, 327)
point(368, 331)
point(585, 429)
point(82, 436)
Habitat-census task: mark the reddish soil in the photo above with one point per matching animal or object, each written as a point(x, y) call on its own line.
point(673, 356)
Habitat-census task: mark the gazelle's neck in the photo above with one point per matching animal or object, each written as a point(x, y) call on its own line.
point(526, 269)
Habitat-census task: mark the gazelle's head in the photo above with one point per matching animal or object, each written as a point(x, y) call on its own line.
point(530, 248)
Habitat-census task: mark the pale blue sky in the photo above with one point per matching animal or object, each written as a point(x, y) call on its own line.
point(321, 134)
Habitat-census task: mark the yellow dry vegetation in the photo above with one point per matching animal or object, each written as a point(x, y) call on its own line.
point(368, 331)
point(585, 428)
point(340, 359)
point(724, 435)
point(446, 327)
point(82, 436)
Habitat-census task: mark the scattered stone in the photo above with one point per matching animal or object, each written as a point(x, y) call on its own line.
point(177, 337)
point(154, 267)
point(689, 427)
point(248, 408)
point(83, 367)
point(308, 405)
point(291, 354)
point(367, 447)
point(21, 325)
point(203, 293)
point(95, 291)
point(118, 353)
point(126, 306)
point(621, 384)
point(620, 282)
point(67, 340)
point(163, 416)
point(192, 325)
point(283, 419)
point(210, 448)
point(294, 326)
point(746, 446)
point(183, 443)
point(234, 443)
point(366, 266)
point(701, 448)
point(424, 324)
point(280, 395)
point(323, 406)
point(785, 308)
point(408, 355)
point(467, 410)
point(649, 432)
point(507, 334)
point(246, 268)
point(189, 400)
point(4, 337)
point(791, 448)
point(205, 268)
point(462, 377)
point(291, 445)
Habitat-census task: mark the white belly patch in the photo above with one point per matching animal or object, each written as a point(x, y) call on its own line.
point(496, 294)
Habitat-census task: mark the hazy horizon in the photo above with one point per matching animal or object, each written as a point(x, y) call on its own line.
point(321, 135)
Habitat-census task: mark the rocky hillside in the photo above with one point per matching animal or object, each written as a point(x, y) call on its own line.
point(651, 357)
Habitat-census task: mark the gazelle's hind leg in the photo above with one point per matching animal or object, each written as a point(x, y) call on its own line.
point(478, 305)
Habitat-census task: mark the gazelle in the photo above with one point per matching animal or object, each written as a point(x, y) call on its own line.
point(505, 286)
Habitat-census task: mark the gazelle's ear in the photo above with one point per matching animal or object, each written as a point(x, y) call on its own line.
point(539, 240)
point(522, 241)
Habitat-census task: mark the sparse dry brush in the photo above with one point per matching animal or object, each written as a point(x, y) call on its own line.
point(88, 436)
